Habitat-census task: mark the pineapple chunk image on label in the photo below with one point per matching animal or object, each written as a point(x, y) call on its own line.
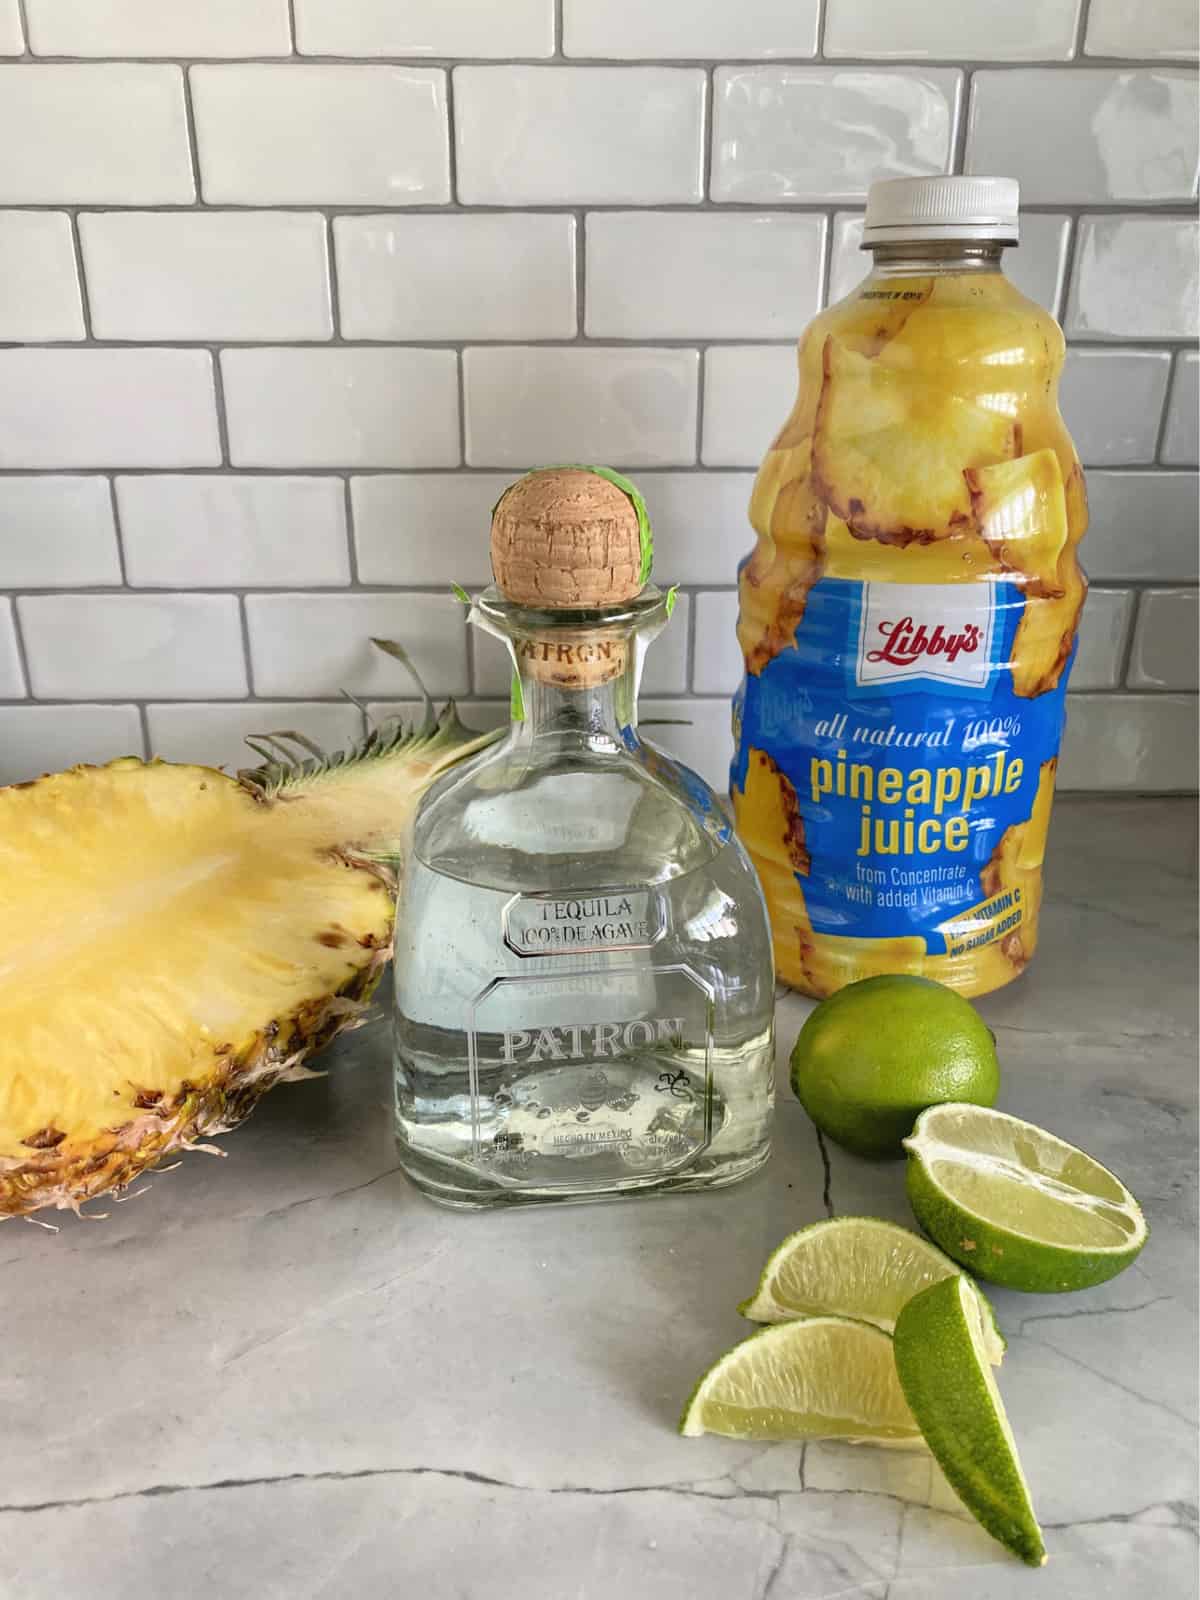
point(830, 961)
point(1015, 869)
point(1021, 509)
point(890, 449)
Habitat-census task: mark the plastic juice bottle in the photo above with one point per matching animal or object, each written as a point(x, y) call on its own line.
point(909, 614)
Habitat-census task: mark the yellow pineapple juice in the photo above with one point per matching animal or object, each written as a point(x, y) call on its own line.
point(909, 614)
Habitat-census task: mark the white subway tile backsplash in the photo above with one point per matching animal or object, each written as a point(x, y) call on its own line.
point(1112, 401)
point(1143, 525)
point(425, 527)
point(1139, 743)
point(1167, 29)
point(425, 28)
point(849, 263)
point(214, 734)
point(700, 735)
point(12, 42)
point(1135, 278)
point(233, 275)
point(310, 644)
point(525, 406)
point(701, 530)
point(217, 530)
point(710, 30)
point(1181, 447)
point(39, 286)
point(579, 135)
point(107, 408)
point(57, 532)
point(338, 135)
point(825, 133)
point(719, 664)
point(968, 30)
point(12, 679)
point(489, 276)
point(1103, 635)
point(748, 393)
point(159, 28)
point(111, 134)
point(665, 670)
point(114, 646)
point(1164, 644)
point(671, 275)
point(39, 739)
point(341, 407)
point(1087, 134)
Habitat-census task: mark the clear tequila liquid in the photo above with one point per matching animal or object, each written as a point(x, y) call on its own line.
point(584, 987)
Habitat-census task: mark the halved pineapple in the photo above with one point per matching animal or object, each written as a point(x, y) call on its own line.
point(1021, 508)
point(890, 448)
point(173, 942)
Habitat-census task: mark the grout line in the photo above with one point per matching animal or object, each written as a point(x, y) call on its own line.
point(351, 542)
point(85, 303)
point(699, 464)
point(247, 659)
point(1160, 438)
point(581, 247)
point(822, 19)
point(429, 589)
point(111, 479)
point(828, 245)
point(189, 117)
point(1171, 210)
point(144, 721)
point(1135, 612)
point(559, 37)
point(708, 134)
point(1062, 293)
point(22, 653)
point(23, 21)
point(1081, 27)
point(461, 376)
point(701, 469)
point(331, 281)
point(291, 16)
point(689, 664)
point(451, 138)
point(887, 65)
point(966, 88)
point(218, 381)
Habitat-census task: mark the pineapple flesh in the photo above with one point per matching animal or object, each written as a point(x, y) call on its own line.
point(173, 942)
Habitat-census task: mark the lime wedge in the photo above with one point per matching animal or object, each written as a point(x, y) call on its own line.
point(820, 1378)
point(944, 1371)
point(1017, 1205)
point(859, 1267)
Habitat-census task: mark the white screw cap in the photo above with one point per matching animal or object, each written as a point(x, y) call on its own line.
point(902, 209)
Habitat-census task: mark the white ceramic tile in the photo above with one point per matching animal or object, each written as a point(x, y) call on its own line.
point(108, 646)
point(578, 135)
point(39, 739)
point(107, 408)
point(1103, 634)
point(671, 275)
point(39, 286)
point(233, 275)
point(492, 276)
point(1112, 401)
point(665, 670)
point(701, 530)
point(425, 28)
point(1166, 29)
point(719, 663)
point(424, 528)
point(1135, 278)
point(1164, 645)
point(305, 644)
point(111, 134)
point(849, 263)
point(825, 133)
point(12, 42)
point(700, 736)
point(214, 734)
point(12, 679)
point(57, 532)
point(1086, 134)
point(158, 28)
point(1143, 525)
point(680, 29)
point(524, 406)
point(350, 135)
point(967, 30)
point(343, 407)
point(1180, 444)
point(218, 530)
point(748, 393)
point(1140, 742)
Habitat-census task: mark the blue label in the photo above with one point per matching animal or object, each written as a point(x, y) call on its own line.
point(895, 722)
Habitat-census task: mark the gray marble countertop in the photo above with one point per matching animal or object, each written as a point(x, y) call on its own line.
point(286, 1375)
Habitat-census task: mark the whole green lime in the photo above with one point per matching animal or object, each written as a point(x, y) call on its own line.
point(874, 1055)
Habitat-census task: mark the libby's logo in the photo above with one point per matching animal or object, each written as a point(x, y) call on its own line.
point(906, 641)
point(911, 631)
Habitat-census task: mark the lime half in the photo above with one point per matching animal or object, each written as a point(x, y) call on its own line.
point(858, 1267)
point(1017, 1205)
point(948, 1383)
point(820, 1378)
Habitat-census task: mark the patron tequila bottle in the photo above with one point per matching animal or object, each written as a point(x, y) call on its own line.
point(584, 984)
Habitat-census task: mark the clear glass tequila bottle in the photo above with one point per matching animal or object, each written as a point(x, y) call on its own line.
point(584, 981)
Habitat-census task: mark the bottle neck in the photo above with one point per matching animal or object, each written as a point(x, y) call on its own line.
point(930, 258)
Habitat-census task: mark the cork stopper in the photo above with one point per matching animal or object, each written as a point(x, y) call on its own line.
point(570, 538)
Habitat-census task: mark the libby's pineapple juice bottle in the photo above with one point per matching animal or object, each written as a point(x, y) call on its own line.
point(909, 614)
